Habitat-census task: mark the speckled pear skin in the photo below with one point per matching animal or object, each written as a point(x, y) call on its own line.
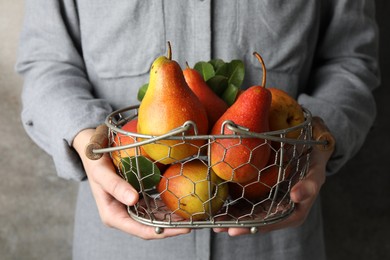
point(240, 160)
point(214, 105)
point(285, 112)
point(168, 104)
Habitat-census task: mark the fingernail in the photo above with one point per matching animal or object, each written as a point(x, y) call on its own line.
point(129, 197)
point(298, 196)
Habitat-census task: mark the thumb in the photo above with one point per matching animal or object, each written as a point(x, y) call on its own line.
point(303, 190)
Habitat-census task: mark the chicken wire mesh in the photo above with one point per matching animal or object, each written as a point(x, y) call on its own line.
point(172, 196)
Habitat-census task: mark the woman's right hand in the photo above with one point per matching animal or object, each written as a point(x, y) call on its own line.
point(112, 194)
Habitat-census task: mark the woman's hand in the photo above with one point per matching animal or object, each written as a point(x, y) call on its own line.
point(303, 193)
point(112, 194)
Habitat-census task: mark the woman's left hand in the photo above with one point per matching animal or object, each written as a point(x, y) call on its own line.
point(303, 194)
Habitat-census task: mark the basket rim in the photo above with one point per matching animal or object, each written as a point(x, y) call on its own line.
point(241, 130)
point(211, 223)
point(112, 123)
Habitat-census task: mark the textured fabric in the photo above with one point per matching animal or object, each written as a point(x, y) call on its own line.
point(94, 55)
point(82, 59)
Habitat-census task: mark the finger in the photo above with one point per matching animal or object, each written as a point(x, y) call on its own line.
point(310, 185)
point(120, 189)
point(238, 231)
point(103, 173)
point(306, 188)
point(220, 230)
point(297, 217)
point(127, 224)
point(234, 231)
point(149, 232)
point(114, 214)
point(303, 194)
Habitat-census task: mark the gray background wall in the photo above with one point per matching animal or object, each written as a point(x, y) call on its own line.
point(36, 207)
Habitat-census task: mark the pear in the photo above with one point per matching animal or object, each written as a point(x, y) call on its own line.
point(240, 160)
point(168, 104)
point(122, 140)
point(261, 187)
point(285, 112)
point(214, 105)
point(192, 190)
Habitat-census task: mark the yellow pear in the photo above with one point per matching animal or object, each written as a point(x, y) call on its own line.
point(192, 190)
point(168, 104)
point(285, 112)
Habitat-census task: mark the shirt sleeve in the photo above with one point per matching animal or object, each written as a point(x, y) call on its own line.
point(344, 74)
point(57, 97)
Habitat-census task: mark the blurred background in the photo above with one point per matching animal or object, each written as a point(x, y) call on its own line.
point(36, 207)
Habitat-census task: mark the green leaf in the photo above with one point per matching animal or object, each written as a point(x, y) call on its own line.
point(223, 70)
point(218, 84)
point(217, 63)
point(236, 72)
point(230, 94)
point(142, 91)
point(149, 173)
point(205, 69)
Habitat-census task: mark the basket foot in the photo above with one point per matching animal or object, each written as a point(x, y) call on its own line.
point(159, 230)
point(254, 230)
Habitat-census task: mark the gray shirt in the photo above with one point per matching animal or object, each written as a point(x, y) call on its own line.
point(82, 59)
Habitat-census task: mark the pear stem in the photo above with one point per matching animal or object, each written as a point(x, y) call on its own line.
point(263, 67)
point(187, 65)
point(169, 51)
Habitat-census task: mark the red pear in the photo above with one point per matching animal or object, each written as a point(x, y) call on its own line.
point(214, 105)
point(260, 187)
point(240, 160)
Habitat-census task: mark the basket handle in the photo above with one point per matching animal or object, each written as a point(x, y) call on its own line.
point(99, 140)
point(322, 133)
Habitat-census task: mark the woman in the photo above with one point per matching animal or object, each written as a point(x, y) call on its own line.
point(83, 59)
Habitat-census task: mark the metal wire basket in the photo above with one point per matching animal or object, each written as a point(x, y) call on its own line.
point(236, 207)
